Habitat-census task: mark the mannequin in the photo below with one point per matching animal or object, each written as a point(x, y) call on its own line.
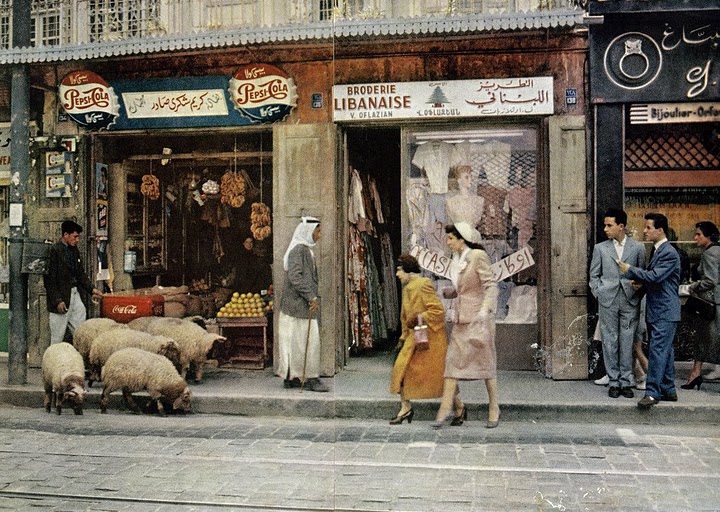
point(466, 205)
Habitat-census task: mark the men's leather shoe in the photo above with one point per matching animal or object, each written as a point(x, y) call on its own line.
point(316, 385)
point(669, 398)
point(627, 392)
point(292, 383)
point(614, 392)
point(646, 402)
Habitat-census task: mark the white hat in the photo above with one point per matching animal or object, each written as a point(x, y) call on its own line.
point(469, 233)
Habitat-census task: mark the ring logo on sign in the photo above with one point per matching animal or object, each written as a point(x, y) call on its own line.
point(632, 60)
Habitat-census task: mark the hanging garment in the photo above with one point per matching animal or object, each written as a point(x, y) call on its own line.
point(374, 292)
point(357, 291)
point(435, 159)
point(416, 195)
point(494, 219)
point(356, 208)
point(390, 292)
point(522, 205)
point(377, 204)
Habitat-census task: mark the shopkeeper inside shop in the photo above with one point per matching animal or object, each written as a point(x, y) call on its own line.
point(253, 272)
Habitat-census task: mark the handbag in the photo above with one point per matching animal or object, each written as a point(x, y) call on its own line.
point(700, 308)
point(421, 335)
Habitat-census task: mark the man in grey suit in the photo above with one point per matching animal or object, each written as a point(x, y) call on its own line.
point(661, 282)
point(618, 298)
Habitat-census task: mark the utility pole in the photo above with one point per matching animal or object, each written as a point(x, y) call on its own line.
point(19, 171)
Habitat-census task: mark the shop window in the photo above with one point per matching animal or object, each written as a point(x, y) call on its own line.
point(487, 178)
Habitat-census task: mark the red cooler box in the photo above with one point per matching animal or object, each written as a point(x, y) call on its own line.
point(122, 308)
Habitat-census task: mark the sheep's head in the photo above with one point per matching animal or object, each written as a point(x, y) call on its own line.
point(209, 340)
point(171, 350)
point(74, 396)
point(183, 401)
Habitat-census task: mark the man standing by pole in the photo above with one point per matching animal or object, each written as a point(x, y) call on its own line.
point(619, 300)
point(662, 285)
point(65, 276)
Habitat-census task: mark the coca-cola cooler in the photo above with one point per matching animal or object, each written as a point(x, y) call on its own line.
point(124, 307)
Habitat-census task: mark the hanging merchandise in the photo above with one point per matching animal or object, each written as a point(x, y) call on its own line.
point(232, 189)
point(260, 219)
point(150, 187)
point(211, 188)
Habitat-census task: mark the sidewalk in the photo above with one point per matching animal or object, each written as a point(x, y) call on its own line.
point(360, 391)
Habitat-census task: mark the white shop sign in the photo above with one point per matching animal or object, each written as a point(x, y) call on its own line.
point(663, 113)
point(444, 99)
point(193, 103)
point(439, 264)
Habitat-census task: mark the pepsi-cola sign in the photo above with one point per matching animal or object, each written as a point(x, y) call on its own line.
point(263, 93)
point(88, 99)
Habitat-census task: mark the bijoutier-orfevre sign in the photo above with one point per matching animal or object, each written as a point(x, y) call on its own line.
point(455, 98)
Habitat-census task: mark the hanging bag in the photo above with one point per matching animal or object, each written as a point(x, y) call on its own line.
point(421, 335)
point(700, 308)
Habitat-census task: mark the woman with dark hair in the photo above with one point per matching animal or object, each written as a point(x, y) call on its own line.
point(471, 351)
point(418, 373)
point(706, 288)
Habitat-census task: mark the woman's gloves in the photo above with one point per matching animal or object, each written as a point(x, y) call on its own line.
point(412, 322)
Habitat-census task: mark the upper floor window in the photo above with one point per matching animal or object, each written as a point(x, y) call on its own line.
point(120, 19)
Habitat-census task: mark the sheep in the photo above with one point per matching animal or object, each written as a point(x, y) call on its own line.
point(141, 323)
point(194, 341)
point(63, 374)
point(134, 369)
point(87, 331)
point(112, 341)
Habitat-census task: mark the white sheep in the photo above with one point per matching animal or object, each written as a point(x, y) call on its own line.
point(111, 341)
point(63, 374)
point(141, 323)
point(194, 341)
point(134, 369)
point(87, 331)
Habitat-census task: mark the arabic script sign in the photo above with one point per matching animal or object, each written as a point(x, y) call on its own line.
point(263, 92)
point(195, 103)
point(456, 98)
point(88, 99)
point(659, 55)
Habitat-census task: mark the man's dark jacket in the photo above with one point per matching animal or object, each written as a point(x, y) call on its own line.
point(60, 280)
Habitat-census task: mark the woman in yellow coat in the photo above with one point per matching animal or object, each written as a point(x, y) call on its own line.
point(418, 373)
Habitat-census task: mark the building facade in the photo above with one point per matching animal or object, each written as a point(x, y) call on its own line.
point(385, 119)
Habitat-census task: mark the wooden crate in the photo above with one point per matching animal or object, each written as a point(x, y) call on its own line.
point(246, 345)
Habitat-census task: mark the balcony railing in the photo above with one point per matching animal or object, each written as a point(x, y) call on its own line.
point(78, 22)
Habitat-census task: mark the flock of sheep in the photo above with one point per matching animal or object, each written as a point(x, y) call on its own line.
point(149, 353)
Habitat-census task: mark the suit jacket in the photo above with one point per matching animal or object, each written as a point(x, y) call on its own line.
point(606, 281)
point(709, 284)
point(60, 280)
point(301, 284)
point(662, 284)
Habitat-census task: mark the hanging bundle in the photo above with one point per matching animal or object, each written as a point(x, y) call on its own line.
point(232, 189)
point(150, 187)
point(260, 221)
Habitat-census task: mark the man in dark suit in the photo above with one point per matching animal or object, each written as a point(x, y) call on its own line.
point(65, 275)
point(619, 301)
point(661, 282)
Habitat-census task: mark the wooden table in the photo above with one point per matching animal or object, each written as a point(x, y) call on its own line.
point(246, 345)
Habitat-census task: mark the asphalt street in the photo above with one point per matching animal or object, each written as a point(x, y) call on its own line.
point(202, 462)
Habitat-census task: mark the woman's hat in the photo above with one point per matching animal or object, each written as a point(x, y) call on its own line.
point(469, 233)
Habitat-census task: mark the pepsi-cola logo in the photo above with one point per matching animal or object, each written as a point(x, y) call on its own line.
point(88, 99)
point(263, 93)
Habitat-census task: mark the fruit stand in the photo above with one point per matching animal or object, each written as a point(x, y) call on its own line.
point(244, 323)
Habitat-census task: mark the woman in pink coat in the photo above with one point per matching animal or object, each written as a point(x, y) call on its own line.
point(471, 350)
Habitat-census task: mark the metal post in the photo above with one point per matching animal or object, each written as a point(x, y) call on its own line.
point(19, 170)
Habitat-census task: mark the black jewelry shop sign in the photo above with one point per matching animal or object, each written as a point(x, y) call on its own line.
point(655, 56)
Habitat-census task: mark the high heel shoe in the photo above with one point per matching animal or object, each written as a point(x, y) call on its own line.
point(697, 381)
point(460, 418)
point(438, 424)
point(397, 420)
point(493, 423)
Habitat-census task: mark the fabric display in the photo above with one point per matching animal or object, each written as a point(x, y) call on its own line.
point(435, 159)
point(373, 296)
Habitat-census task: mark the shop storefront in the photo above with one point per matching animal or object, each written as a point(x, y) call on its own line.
point(654, 74)
point(389, 141)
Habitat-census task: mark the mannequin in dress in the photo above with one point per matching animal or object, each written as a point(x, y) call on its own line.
point(466, 205)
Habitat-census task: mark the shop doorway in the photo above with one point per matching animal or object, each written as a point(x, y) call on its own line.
point(374, 217)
